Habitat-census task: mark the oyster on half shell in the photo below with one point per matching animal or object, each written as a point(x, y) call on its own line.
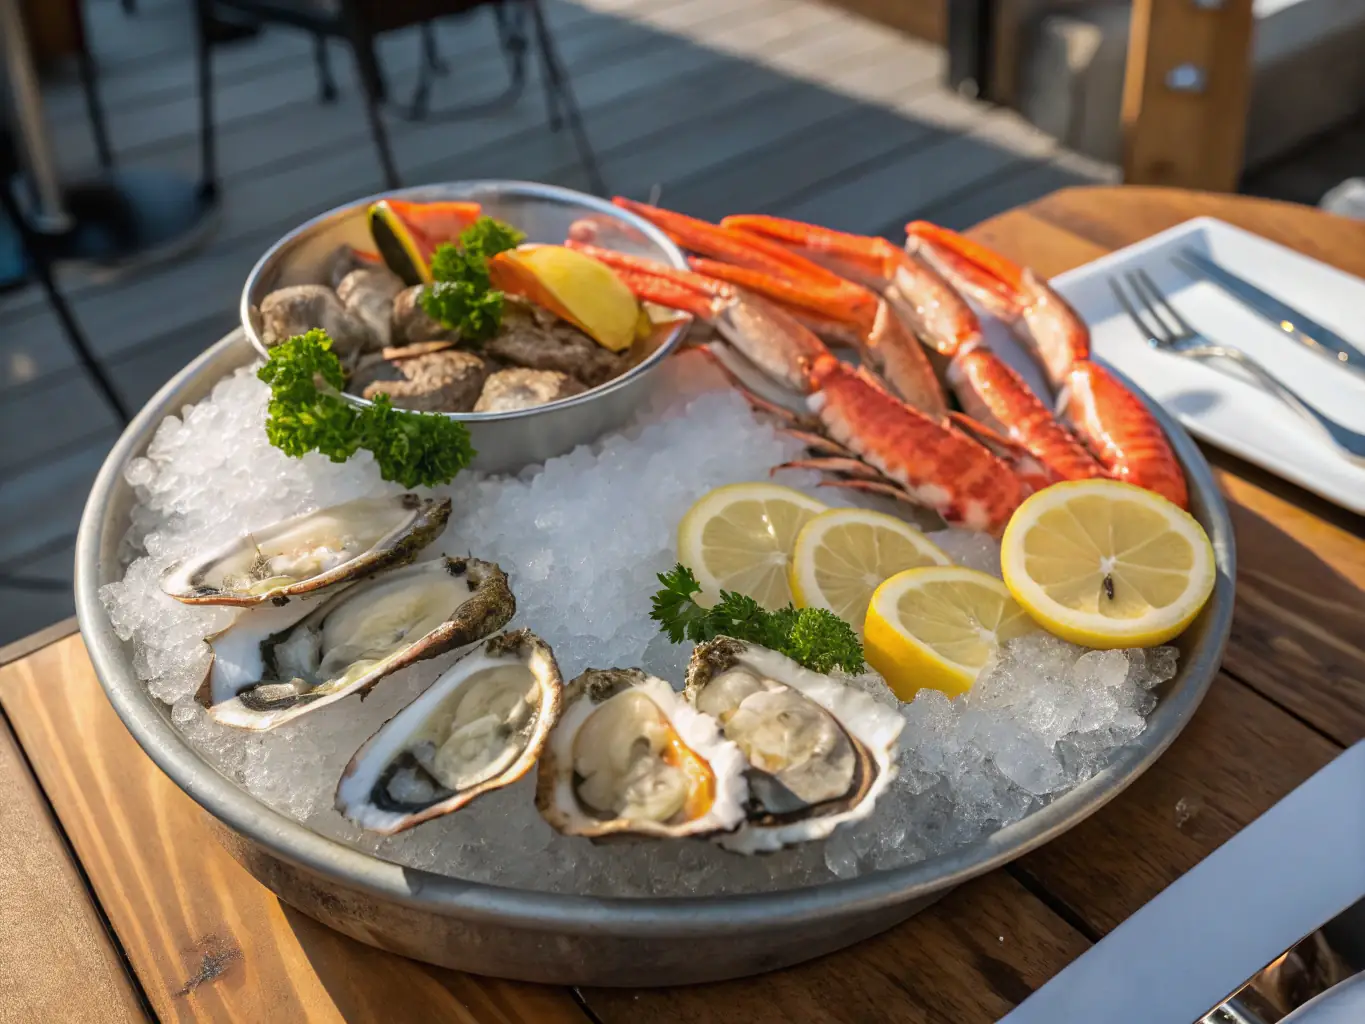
point(819, 753)
point(306, 553)
point(478, 727)
point(281, 661)
point(630, 756)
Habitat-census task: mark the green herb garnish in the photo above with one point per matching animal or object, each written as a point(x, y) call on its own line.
point(307, 413)
point(815, 637)
point(462, 297)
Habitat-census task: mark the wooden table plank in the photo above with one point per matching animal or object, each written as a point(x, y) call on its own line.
point(971, 957)
point(57, 962)
point(208, 941)
point(1300, 621)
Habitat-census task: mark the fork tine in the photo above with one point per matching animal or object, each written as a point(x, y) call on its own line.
point(1133, 314)
point(1165, 304)
point(1169, 333)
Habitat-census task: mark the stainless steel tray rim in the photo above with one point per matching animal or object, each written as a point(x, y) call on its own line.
point(640, 917)
point(649, 231)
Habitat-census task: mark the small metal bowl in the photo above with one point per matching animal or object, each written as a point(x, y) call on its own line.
point(505, 441)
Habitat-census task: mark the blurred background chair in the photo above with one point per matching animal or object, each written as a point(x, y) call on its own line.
point(519, 26)
point(37, 250)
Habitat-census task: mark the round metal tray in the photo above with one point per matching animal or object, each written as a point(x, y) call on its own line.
point(572, 939)
point(505, 441)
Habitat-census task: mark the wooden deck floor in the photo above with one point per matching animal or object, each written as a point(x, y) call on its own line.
point(782, 106)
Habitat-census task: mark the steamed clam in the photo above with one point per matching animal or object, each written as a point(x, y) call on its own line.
point(308, 552)
point(819, 753)
point(480, 726)
point(278, 662)
point(630, 756)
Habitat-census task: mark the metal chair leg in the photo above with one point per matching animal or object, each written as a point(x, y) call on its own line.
point(430, 51)
point(203, 55)
point(429, 65)
point(512, 39)
point(372, 88)
point(94, 108)
point(322, 60)
point(557, 82)
point(35, 250)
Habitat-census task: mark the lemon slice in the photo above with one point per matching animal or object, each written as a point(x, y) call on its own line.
point(1105, 564)
point(938, 626)
point(739, 538)
point(843, 555)
point(572, 285)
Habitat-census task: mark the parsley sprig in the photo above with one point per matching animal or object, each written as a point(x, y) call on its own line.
point(462, 297)
point(307, 413)
point(815, 637)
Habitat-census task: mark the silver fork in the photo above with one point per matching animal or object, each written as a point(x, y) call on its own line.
point(1167, 331)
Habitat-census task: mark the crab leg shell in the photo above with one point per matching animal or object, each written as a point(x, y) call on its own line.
point(992, 393)
point(711, 240)
point(768, 336)
point(867, 260)
point(1123, 433)
point(939, 467)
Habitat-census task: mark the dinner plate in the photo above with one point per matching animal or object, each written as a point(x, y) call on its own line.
point(1235, 413)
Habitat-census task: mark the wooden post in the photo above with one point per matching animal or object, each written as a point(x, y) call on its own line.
point(1185, 93)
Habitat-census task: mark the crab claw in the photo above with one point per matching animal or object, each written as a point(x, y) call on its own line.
point(408, 233)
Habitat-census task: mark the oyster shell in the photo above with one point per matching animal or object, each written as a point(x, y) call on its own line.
point(819, 753)
point(305, 553)
point(631, 756)
point(278, 662)
point(478, 727)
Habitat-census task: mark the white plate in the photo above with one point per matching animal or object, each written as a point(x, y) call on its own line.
point(1235, 414)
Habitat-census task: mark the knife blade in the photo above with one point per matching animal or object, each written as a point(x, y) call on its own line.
point(1290, 321)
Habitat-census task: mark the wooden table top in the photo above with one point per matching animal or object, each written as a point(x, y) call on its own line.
point(116, 904)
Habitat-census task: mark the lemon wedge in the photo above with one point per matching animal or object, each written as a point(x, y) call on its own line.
point(1105, 564)
point(938, 626)
point(574, 286)
point(843, 555)
point(739, 537)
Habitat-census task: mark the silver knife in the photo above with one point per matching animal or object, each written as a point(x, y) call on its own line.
point(1309, 333)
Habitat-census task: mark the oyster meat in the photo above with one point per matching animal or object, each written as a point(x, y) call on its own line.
point(305, 553)
point(819, 753)
point(631, 756)
point(480, 726)
point(278, 662)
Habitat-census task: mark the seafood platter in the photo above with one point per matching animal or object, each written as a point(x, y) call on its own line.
point(578, 592)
